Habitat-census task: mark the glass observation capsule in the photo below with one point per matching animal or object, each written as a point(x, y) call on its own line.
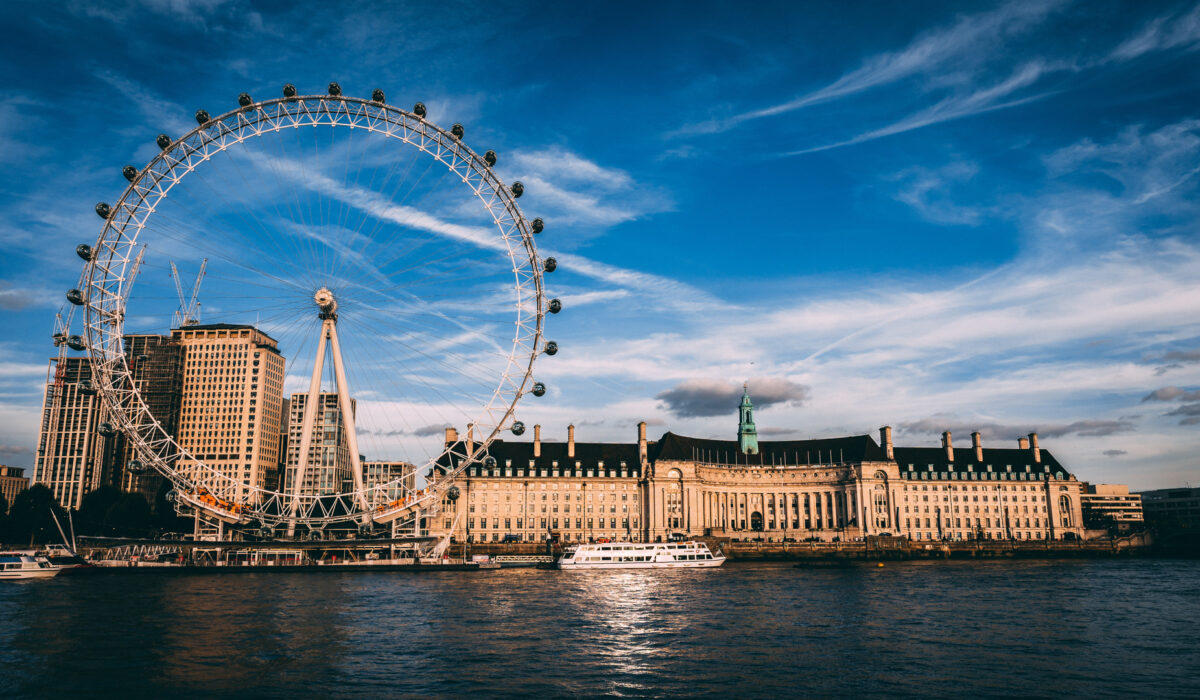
point(84, 251)
point(457, 130)
point(87, 387)
point(76, 343)
point(136, 467)
point(490, 158)
point(453, 493)
point(202, 117)
point(245, 100)
point(289, 90)
point(163, 141)
point(75, 297)
point(539, 389)
point(551, 348)
point(377, 96)
point(419, 109)
point(518, 428)
point(103, 210)
point(106, 429)
point(549, 265)
point(555, 306)
point(489, 462)
point(335, 89)
point(537, 225)
point(129, 172)
point(517, 189)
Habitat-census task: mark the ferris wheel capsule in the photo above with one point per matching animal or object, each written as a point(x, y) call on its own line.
point(551, 348)
point(129, 172)
point(136, 467)
point(549, 265)
point(202, 117)
point(163, 141)
point(457, 130)
point(84, 251)
point(453, 493)
point(518, 428)
point(335, 90)
point(490, 461)
point(539, 389)
point(106, 429)
point(377, 96)
point(555, 306)
point(517, 189)
point(490, 158)
point(289, 90)
point(87, 387)
point(537, 225)
point(75, 342)
point(245, 100)
point(419, 109)
point(103, 210)
point(75, 296)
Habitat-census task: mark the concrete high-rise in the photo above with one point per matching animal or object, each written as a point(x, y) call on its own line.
point(232, 395)
point(156, 366)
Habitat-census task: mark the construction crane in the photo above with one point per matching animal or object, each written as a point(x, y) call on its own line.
point(188, 313)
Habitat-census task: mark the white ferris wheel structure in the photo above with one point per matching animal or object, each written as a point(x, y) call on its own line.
point(430, 259)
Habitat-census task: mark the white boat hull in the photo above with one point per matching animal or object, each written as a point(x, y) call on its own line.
point(708, 564)
point(22, 574)
point(640, 555)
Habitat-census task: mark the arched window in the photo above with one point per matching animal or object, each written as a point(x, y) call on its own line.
point(1064, 505)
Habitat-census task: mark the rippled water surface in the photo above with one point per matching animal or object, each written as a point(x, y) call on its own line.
point(1108, 628)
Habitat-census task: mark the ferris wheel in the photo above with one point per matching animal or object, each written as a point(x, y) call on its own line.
point(373, 258)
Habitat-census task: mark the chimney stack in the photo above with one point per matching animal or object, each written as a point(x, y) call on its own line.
point(642, 441)
point(946, 443)
point(977, 443)
point(885, 440)
point(1023, 443)
point(1033, 445)
point(571, 441)
point(470, 439)
point(537, 441)
point(451, 436)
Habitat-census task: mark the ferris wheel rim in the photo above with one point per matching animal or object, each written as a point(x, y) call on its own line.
point(104, 325)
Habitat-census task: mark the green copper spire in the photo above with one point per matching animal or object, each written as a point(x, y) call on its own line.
point(747, 433)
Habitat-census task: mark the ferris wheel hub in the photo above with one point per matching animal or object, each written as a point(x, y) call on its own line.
point(326, 303)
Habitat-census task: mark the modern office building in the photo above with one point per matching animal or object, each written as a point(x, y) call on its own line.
point(12, 482)
point(328, 469)
point(377, 473)
point(156, 367)
point(230, 409)
point(1108, 506)
point(73, 458)
point(1172, 509)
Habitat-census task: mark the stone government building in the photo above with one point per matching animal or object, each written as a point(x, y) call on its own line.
point(825, 489)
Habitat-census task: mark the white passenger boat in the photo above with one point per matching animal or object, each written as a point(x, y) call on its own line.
point(640, 555)
point(24, 566)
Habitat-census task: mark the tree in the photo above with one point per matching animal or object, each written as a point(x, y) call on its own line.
point(30, 517)
point(129, 516)
point(93, 511)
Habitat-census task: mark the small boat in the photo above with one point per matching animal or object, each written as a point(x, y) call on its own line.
point(640, 555)
point(24, 566)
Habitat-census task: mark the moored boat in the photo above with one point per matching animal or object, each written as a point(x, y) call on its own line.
point(640, 555)
point(15, 566)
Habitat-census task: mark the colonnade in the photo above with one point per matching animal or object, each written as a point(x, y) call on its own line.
point(687, 507)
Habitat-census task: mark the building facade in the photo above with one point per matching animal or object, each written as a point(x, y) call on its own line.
point(156, 367)
point(230, 408)
point(12, 482)
point(328, 469)
point(1108, 506)
point(1172, 509)
point(827, 489)
point(376, 473)
point(73, 458)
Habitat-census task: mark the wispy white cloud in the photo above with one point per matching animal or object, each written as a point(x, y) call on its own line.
point(1160, 34)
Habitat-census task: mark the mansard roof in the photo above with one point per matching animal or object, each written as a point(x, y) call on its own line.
point(840, 450)
point(997, 458)
point(589, 455)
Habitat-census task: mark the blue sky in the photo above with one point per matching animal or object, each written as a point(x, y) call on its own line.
point(935, 216)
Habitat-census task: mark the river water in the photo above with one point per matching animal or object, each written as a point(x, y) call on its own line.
point(1046, 628)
